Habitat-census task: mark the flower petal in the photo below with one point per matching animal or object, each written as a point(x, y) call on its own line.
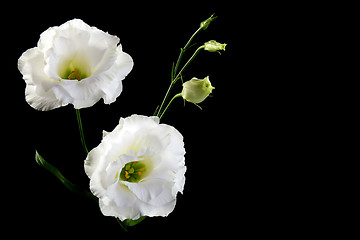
point(121, 195)
point(123, 65)
point(37, 92)
point(107, 85)
point(109, 208)
point(155, 191)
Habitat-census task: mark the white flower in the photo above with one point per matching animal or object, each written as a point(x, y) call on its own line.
point(138, 168)
point(74, 63)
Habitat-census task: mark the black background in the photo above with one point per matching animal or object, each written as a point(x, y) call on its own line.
point(231, 145)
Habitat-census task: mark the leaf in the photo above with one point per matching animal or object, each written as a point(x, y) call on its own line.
point(131, 223)
point(172, 72)
point(72, 187)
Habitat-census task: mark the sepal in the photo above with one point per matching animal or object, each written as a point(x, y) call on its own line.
point(130, 222)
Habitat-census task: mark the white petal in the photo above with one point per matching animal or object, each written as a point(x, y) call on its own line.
point(179, 181)
point(156, 192)
point(94, 158)
point(31, 64)
point(79, 93)
point(94, 165)
point(117, 73)
point(136, 122)
point(46, 40)
point(97, 46)
point(154, 211)
point(121, 195)
point(109, 208)
point(107, 85)
point(120, 202)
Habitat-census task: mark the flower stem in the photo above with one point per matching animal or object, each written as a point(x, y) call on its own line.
point(81, 131)
point(187, 63)
point(159, 114)
point(176, 96)
point(122, 225)
point(165, 98)
point(182, 52)
point(175, 76)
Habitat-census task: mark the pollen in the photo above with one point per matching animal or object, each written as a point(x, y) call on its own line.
point(74, 75)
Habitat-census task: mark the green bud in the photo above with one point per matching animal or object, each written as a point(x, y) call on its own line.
point(205, 24)
point(196, 90)
point(214, 46)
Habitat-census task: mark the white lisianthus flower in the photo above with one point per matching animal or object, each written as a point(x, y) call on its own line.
point(74, 63)
point(137, 169)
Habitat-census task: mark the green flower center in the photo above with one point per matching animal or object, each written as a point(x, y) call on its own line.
point(133, 171)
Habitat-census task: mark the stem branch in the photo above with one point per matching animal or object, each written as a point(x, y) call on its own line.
point(187, 63)
point(183, 50)
point(176, 96)
point(174, 70)
point(159, 114)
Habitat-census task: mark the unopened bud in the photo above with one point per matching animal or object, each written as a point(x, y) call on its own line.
point(196, 90)
point(214, 46)
point(205, 24)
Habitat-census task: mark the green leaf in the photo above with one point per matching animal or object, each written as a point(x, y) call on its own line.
point(72, 187)
point(172, 72)
point(131, 223)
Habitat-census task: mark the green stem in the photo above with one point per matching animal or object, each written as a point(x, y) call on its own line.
point(188, 62)
point(122, 225)
point(81, 131)
point(174, 70)
point(176, 96)
point(183, 50)
point(165, 98)
point(159, 114)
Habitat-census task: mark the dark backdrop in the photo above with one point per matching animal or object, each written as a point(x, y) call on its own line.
point(225, 143)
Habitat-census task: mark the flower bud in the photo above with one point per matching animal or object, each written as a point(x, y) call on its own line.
point(205, 24)
point(213, 46)
point(196, 90)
